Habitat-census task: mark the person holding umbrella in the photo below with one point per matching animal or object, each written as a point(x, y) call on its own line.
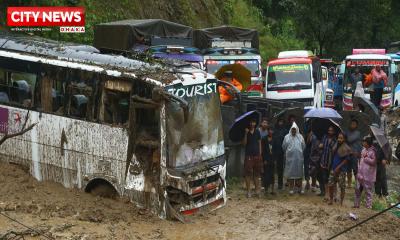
point(327, 145)
point(253, 165)
point(293, 146)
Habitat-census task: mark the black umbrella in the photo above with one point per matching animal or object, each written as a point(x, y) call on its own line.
point(237, 130)
point(364, 121)
point(296, 112)
point(366, 106)
point(382, 140)
point(320, 126)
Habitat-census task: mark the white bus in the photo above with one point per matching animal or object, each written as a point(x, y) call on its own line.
point(103, 122)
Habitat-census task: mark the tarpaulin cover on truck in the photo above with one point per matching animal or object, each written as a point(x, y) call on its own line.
point(123, 35)
point(203, 37)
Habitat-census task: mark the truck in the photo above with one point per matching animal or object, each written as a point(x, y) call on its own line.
point(296, 76)
point(225, 45)
point(157, 37)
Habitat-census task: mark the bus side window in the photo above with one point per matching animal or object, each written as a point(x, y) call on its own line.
point(16, 88)
point(115, 102)
point(51, 91)
point(4, 93)
point(80, 94)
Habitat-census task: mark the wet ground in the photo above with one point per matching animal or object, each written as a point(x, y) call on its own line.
point(71, 214)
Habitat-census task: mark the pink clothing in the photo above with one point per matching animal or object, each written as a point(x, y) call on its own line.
point(367, 165)
point(360, 187)
point(377, 77)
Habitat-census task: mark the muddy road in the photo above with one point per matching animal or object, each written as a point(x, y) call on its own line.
point(71, 214)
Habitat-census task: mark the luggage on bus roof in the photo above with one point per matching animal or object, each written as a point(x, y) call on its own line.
point(203, 37)
point(123, 35)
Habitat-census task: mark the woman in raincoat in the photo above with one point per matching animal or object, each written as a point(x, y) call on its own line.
point(293, 146)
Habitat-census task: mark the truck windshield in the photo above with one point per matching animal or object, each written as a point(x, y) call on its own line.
point(213, 66)
point(360, 70)
point(252, 65)
point(200, 138)
point(289, 76)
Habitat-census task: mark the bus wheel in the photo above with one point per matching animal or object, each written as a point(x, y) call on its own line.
point(101, 188)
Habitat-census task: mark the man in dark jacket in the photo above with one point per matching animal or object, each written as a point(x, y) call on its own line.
point(381, 187)
point(277, 152)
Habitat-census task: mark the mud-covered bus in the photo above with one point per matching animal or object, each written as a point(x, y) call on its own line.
point(110, 123)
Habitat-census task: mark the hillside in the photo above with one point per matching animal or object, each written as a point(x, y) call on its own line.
point(195, 13)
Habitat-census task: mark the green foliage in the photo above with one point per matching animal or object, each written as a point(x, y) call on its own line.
point(274, 36)
point(335, 27)
point(249, 16)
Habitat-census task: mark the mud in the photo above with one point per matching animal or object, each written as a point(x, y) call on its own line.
point(71, 214)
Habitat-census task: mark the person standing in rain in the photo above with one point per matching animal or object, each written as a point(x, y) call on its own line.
point(354, 141)
point(293, 146)
point(327, 146)
point(355, 78)
point(278, 136)
point(339, 168)
point(366, 175)
point(253, 165)
point(307, 155)
point(381, 187)
point(269, 162)
point(315, 161)
point(264, 128)
point(379, 79)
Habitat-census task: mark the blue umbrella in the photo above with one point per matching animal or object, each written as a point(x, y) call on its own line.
point(237, 130)
point(327, 113)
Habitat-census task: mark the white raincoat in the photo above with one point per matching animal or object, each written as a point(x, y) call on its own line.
point(294, 147)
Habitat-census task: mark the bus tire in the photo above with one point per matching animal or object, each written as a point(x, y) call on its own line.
point(101, 188)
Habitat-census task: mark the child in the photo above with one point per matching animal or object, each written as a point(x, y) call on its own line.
point(366, 175)
point(339, 168)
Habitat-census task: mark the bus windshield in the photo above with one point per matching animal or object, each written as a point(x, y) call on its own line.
point(360, 70)
point(200, 137)
point(289, 76)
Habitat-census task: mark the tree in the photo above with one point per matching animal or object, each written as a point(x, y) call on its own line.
point(337, 26)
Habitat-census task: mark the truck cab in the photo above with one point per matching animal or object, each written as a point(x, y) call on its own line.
point(293, 76)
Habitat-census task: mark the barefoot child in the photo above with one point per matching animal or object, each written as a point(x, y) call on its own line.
point(366, 175)
point(339, 168)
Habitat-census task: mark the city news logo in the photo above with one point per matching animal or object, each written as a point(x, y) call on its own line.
point(69, 19)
